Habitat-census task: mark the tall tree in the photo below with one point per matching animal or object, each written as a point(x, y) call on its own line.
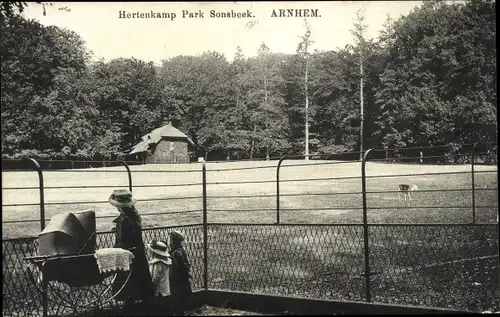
point(437, 86)
point(334, 89)
point(430, 79)
point(201, 97)
point(42, 69)
point(303, 51)
point(216, 128)
point(237, 135)
point(127, 94)
point(9, 9)
point(266, 105)
point(360, 49)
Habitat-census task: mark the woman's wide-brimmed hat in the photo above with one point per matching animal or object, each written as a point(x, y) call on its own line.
point(122, 198)
point(159, 248)
point(177, 236)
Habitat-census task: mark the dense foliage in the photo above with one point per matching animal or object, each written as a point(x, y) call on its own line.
point(428, 79)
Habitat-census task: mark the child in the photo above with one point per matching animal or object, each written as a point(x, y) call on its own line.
point(159, 267)
point(180, 285)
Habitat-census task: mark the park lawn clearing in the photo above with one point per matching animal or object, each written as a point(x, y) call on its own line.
point(245, 192)
point(302, 260)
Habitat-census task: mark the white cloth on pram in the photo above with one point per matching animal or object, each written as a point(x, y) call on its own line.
point(113, 259)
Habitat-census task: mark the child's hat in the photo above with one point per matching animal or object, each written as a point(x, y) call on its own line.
point(159, 248)
point(177, 236)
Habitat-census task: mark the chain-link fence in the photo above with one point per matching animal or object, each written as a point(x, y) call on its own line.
point(401, 228)
point(410, 264)
point(427, 265)
point(22, 282)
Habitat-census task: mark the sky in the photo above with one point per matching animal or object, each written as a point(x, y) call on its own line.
point(153, 39)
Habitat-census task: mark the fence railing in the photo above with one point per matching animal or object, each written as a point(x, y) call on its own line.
point(353, 247)
point(437, 265)
point(22, 296)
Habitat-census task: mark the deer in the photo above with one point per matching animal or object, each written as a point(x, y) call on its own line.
point(406, 189)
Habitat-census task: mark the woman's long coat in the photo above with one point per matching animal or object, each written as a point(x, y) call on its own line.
point(139, 286)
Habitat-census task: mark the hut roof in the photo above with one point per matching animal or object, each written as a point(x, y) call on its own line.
point(168, 131)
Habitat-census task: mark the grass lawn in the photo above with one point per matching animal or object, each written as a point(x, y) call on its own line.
point(413, 265)
point(302, 259)
point(221, 311)
point(233, 198)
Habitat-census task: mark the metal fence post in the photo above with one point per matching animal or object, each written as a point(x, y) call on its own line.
point(473, 184)
point(129, 174)
point(45, 284)
point(278, 189)
point(38, 168)
point(365, 227)
point(205, 227)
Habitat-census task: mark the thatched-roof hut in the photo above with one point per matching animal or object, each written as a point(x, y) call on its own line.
point(164, 145)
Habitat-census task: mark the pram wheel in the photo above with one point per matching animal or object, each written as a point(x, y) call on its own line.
point(72, 300)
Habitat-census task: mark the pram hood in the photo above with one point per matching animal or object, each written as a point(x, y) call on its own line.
point(69, 233)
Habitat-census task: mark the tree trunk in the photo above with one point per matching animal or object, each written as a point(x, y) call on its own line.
point(253, 141)
point(362, 110)
point(307, 113)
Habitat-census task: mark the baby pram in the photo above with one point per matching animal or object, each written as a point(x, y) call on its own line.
point(71, 266)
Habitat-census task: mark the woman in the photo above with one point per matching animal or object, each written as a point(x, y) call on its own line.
point(180, 286)
point(129, 237)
